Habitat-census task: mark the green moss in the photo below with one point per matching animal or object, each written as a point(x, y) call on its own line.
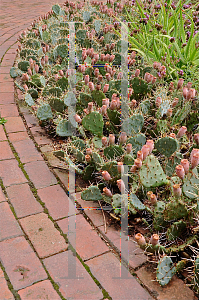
point(10, 286)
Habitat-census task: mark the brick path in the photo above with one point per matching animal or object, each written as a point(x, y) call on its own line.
point(36, 261)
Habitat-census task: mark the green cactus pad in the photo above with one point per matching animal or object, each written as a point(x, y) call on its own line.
point(33, 93)
point(57, 104)
point(28, 99)
point(175, 210)
point(133, 125)
point(97, 159)
point(15, 72)
point(33, 44)
point(74, 167)
point(97, 96)
point(81, 34)
point(181, 113)
point(97, 25)
point(78, 143)
point(24, 65)
point(162, 126)
point(191, 184)
point(88, 173)
point(97, 142)
point(158, 221)
point(25, 53)
point(86, 16)
point(151, 173)
point(62, 51)
point(114, 116)
point(116, 200)
point(94, 123)
point(172, 163)
point(62, 83)
point(166, 145)
point(113, 151)
point(38, 80)
point(165, 270)
point(111, 167)
point(139, 86)
point(56, 9)
point(44, 112)
point(85, 99)
point(137, 142)
point(70, 99)
point(91, 194)
point(128, 160)
point(145, 107)
point(55, 91)
point(135, 202)
point(176, 230)
point(64, 128)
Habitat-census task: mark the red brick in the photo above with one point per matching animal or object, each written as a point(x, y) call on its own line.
point(92, 210)
point(72, 288)
point(41, 290)
point(6, 98)
point(88, 243)
point(16, 255)
point(7, 87)
point(175, 290)
point(2, 134)
point(8, 111)
point(11, 173)
point(54, 161)
point(5, 152)
point(40, 174)
point(2, 196)
point(27, 151)
point(56, 201)
point(40, 135)
point(136, 256)
point(9, 227)
point(23, 201)
point(14, 124)
point(5, 292)
point(31, 120)
point(18, 136)
point(45, 238)
point(5, 70)
point(106, 268)
point(5, 78)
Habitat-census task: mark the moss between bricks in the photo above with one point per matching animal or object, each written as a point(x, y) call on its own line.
point(10, 286)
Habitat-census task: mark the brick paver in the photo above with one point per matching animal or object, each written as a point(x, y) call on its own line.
point(8, 224)
point(11, 173)
point(106, 268)
point(14, 124)
point(39, 291)
point(5, 152)
point(82, 288)
point(2, 134)
point(2, 196)
point(88, 243)
point(8, 110)
point(21, 263)
point(40, 174)
point(5, 292)
point(45, 238)
point(23, 200)
point(56, 201)
point(27, 151)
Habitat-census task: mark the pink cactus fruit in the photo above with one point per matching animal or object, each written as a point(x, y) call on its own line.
point(121, 185)
point(154, 240)
point(111, 139)
point(177, 191)
point(140, 239)
point(180, 171)
point(107, 192)
point(120, 167)
point(185, 164)
point(106, 175)
point(181, 131)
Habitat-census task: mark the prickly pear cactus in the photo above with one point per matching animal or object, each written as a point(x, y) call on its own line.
point(165, 270)
point(91, 194)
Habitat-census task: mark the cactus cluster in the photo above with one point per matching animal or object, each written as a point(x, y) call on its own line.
point(137, 138)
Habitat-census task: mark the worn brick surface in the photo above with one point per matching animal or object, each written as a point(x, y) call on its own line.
point(56, 201)
point(40, 174)
point(4, 290)
point(88, 243)
point(45, 238)
point(6, 98)
point(2, 134)
point(54, 161)
point(40, 135)
point(11, 173)
point(8, 111)
point(23, 200)
point(2, 196)
point(8, 224)
point(14, 124)
point(5, 151)
point(106, 268)
point(27, 151)
point(175, 290)
point(18, 136)
point(21, 263)
point(39, 291)
point(85, 288)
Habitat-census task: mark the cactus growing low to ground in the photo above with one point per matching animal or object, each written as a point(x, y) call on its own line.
point(129, 130)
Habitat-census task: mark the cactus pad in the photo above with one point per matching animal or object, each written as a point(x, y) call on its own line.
point(85, 99)
point(70, 99)
point(133, 125)
point(137, 142)
point(44, 112)
point(140, 87)
point(135, 202)
point(175, 210)
point(151, 173)
point(23, 65)
point(196, 272)
point(28, 99)
point(113, 151)
point(57, 104)
point(158, 221)
point(64, 128)
point(191, 183)
point(97, 96)
point(176, 230)
point(111, 167)
point(166, 145)
point(15, 72)
point(63, 83)
point(165, 270)
point(91, 194)
point(94, 123)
